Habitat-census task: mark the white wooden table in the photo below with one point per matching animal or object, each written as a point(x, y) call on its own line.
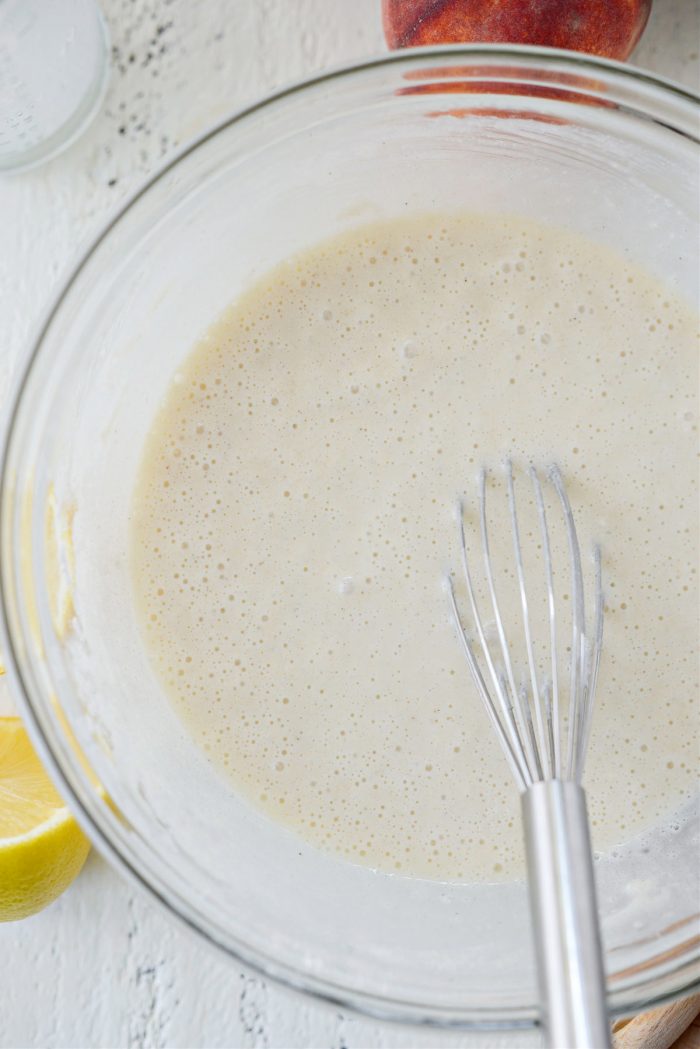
point(103, 966)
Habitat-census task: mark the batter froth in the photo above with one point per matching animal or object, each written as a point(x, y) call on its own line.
point(292, 521)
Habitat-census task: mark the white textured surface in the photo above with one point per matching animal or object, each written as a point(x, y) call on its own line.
point(103, 966)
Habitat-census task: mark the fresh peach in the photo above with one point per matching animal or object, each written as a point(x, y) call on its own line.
point(602, 27)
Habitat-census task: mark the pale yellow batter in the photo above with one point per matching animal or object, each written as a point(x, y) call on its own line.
point(293, 520)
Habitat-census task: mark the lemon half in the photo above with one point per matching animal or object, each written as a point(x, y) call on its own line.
point(42, 848)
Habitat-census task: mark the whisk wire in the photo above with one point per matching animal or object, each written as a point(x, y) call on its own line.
point(540, 747)
point(526, 717)
point(484, 693)
point(522, 708)
point(525, 704)
point(511, 730)
point(552, 736)
point(578, 627)
point(593, 666)
point(554, 721)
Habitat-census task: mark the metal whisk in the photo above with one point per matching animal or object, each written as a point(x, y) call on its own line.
point(546, 758)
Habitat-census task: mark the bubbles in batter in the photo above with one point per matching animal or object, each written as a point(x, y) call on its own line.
point(293, 519)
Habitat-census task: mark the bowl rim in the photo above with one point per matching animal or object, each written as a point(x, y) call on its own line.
point(632, 997)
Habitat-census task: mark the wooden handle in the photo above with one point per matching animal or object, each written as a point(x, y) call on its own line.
point(660, 1028)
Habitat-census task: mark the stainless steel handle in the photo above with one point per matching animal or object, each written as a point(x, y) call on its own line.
point(565, 916)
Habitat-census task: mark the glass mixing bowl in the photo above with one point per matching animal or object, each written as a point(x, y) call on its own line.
point(562, 138)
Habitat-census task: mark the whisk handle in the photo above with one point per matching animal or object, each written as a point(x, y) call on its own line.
point(565, 916)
